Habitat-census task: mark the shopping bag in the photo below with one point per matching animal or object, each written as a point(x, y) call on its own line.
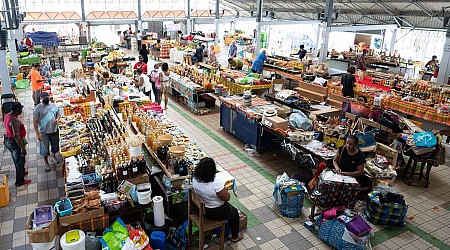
point(425, 139)
point(366, 140)
point(288, 195)
point(384, 213)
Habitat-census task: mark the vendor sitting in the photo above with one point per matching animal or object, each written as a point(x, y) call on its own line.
point(349, 160)
point(141, 65)
point(235, 63)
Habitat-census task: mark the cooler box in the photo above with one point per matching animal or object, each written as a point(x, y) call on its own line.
point(4, 193)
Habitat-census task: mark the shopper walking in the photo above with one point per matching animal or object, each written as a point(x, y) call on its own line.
point(216, 197)
point(157, 49)
point(139, 40)
point(15, 142)
point(361, 61)
point(258, 63)
point(37, 82)
point(45, 119)
point(348, 82)
point(212, 54)
point(46, 69)
point(144, 84)
point(156, 83)
point(164, 77)
point(144, 53)
point(232, 51)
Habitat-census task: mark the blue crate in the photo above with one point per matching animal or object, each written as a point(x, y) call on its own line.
point(67, 210)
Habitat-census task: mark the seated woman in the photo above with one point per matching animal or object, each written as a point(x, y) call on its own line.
point(215, 195)
point(349, 160)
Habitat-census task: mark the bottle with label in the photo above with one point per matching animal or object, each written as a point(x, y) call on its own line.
point(135, 168)
point(124, 172)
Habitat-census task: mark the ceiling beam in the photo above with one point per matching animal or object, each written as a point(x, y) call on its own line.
point(362, 27)
point(280, 22)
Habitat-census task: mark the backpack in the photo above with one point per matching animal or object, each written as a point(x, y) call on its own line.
point(177, 239)
point(154, 78)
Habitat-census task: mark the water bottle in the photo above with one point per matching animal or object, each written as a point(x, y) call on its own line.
point(168, 185)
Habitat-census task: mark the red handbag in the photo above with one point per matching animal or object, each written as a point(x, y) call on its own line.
point(360, 109)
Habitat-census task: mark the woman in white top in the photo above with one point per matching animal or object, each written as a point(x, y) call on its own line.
point(164, 77)
point(215, 195)
point(144, 84)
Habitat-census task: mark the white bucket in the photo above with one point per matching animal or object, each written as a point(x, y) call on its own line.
point(44, 246)
point(135, 151)
point(144, 197)
point(78, 245)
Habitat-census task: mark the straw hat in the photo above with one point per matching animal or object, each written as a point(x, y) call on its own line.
point(165, 139)
point(270, 112)
point(177, 151)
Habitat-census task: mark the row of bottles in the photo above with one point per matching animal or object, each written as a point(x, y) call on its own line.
point(132, 169)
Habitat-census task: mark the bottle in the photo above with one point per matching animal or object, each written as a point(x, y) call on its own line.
point(125, 172)
point(135, 168)
point(115, 183)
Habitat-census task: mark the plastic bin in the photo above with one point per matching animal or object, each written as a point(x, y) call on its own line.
point(44, 246)
point(76, 245)
point(4, 193)
point(158, 240)
point(66, 210)
point(90, 179)
point(43, 214)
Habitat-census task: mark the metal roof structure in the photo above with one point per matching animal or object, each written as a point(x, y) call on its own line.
point(417, 14)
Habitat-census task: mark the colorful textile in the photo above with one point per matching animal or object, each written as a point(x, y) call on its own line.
point(99, 223)
point(332, 231)
point(332, 193)
point(183, 89)
point(384, 213)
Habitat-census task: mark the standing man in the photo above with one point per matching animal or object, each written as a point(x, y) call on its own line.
point(45, 119)
point(37, 82)
point(15, 142)
point(232, 52)
point(45, 70)
point(302, 52)
point(258, 63)
point(139, 39)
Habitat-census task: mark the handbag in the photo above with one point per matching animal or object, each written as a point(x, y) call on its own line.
point(307, 161)
point(384, 213)
point(358, 226)
point(332, 232)
point(376, 114)
point(387, 121)
point(360, 109)
point(346, 107)
point(366, 140)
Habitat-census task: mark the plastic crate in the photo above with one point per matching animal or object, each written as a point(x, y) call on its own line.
point(43, 214)
point(66, 210)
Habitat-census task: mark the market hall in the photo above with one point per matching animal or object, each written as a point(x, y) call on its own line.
point(138, 125)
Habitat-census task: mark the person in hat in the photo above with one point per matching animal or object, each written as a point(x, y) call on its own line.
point(45, 119)
point(15, 142)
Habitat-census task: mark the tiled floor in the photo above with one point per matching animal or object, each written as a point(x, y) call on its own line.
point(428, 223)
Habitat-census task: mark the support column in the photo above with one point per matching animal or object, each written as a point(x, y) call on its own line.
point(444, 68)
point(216, 22)
point(4, 72)
point(382, 40)
point(259, 9)
point(83, 22)
point(393, 38)
point(319, 28)
point(326, 31)
point(188, 18)
point(139, 16)
point(13, 52)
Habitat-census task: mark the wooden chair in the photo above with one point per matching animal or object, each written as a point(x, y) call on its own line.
point(204, 224)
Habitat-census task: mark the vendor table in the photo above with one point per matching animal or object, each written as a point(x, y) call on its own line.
point(238, 89)
point(289, 76)
point(336, 72)
point(188, 92)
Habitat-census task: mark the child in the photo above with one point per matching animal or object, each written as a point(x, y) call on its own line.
point(156, 84)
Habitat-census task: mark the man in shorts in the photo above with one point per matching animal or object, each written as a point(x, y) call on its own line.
point(45, 119)
point(37, 82)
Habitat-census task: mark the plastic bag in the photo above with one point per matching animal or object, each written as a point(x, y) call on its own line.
point(425, 139)
point(299, 120)
point(22, 84)
point(114, 236)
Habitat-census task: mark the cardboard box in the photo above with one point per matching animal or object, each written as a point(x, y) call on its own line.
point(46, 234)
point(276, 122)
point(4, 193)
point(70, 219)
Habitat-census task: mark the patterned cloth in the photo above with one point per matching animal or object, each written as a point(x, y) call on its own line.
point(165, 51)
point(331, 232)
point(92, 224)
point(334, 194)
point(385, 213)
